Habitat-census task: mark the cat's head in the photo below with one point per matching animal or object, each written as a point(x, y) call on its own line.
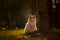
point(32, 18)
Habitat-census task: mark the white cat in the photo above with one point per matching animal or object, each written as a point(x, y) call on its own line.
point(31, 24)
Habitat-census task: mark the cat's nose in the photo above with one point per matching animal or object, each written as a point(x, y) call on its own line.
point(32, 20)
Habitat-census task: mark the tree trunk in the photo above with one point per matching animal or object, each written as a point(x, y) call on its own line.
point(43, 16)
point(50, 13)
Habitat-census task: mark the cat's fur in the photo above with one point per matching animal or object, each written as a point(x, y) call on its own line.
point(31, 24)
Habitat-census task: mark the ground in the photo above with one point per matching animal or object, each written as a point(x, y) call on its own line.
point(17, 34)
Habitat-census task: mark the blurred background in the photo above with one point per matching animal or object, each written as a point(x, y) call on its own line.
point(14, 13)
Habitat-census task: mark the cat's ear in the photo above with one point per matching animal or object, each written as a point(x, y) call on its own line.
point(29, 16)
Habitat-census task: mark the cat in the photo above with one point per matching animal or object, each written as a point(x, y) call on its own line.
point(31, 24)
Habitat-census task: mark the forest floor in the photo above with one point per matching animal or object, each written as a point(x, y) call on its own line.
point(18, 34)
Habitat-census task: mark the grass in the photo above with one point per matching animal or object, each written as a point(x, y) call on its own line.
point(10, 34)
point(17, 34)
